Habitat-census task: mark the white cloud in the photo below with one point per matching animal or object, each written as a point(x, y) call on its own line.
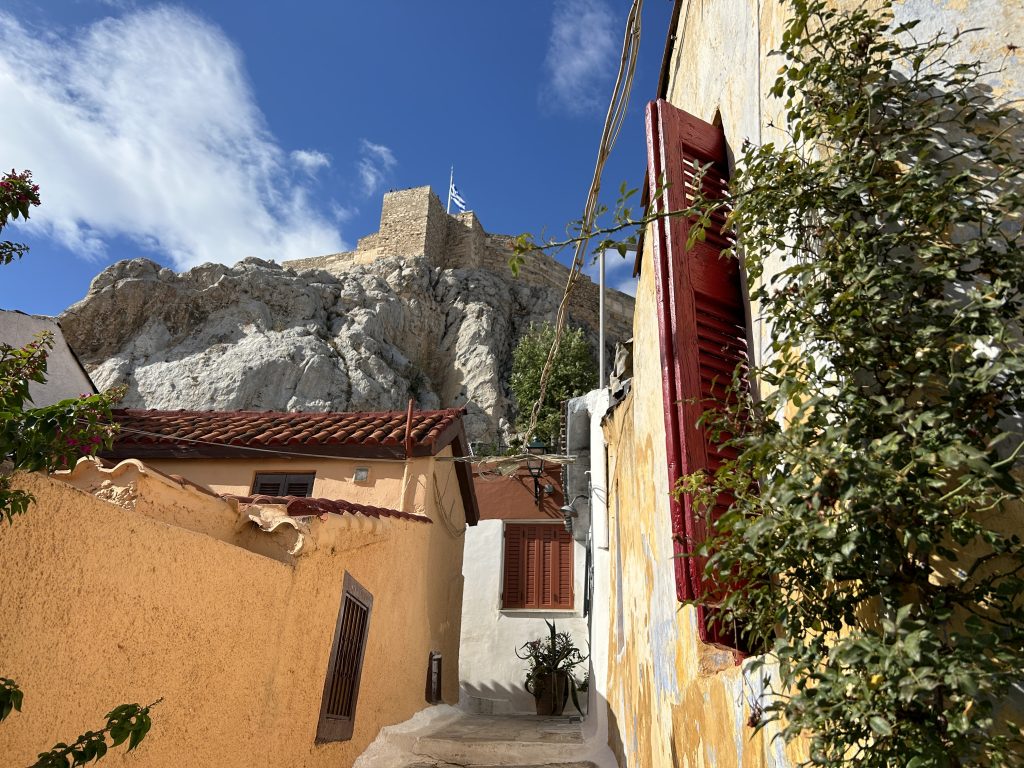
point(145, 127)
point(618, 271)
point(375, 163)
point(310, 160)
point(581, 57)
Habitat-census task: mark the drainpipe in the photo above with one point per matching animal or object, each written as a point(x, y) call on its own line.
point(596, 728)
point(601, 380)
point(405, 505)
point(599, 468)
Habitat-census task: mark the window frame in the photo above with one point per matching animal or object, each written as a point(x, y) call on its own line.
point(561, 537)
point(339, 726)
point(258, 477)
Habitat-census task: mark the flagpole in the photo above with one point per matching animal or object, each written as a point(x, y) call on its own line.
point(451, 181)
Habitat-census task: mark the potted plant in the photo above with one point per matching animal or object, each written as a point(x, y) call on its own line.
point(549, 674)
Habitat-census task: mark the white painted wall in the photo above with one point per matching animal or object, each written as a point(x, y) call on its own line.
point(64, 376)
point(491, 676)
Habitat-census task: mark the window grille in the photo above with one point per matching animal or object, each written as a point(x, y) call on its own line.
point(341, 689)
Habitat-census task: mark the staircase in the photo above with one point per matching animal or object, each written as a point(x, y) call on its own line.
point(454, 739)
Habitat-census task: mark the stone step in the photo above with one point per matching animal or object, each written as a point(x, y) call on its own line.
point(584, 764)
point(492, 754)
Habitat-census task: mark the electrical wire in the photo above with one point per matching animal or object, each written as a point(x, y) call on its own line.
point(612, 126)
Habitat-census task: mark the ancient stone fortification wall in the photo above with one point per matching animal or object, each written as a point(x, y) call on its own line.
point(413, 223)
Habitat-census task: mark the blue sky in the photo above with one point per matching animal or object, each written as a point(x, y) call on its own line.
point(213, 130)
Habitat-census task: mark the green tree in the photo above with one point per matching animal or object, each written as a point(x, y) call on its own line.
point(874, 531)
point(44, 439)
point(573, 373)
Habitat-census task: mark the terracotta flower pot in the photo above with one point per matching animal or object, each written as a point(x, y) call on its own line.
point(550, 693)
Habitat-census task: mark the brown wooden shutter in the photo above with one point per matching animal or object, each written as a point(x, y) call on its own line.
point(514, 571)
point(531, 569)
point(282, 484)
point(341, 689)
point(702, 326)
point(563, 597)
point(538, 567)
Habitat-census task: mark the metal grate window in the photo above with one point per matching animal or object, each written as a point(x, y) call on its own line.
point(433, 692)
point(341, 689)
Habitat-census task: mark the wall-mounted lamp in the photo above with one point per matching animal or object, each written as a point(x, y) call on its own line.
point(569, 511)
point(535, 465)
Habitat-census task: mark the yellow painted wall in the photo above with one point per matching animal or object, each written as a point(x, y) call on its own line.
point(673, 701)
point(334, 477)
point(104, 605)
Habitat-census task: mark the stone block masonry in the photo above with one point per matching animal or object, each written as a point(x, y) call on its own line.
point(414, 224)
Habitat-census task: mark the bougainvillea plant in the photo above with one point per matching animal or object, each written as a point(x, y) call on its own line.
point(44, 439)
point(17, 195)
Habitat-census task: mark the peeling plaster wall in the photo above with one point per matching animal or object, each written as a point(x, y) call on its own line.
point(672, 700)
point(104, 605)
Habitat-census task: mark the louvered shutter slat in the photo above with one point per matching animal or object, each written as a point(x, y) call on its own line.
point(269, 486)
point(564, 570)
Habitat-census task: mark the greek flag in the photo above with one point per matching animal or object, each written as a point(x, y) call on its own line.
point(455, 197)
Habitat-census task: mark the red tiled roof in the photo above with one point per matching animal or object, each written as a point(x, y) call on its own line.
point(265, 434)
point(299, 506)
point(212, 434)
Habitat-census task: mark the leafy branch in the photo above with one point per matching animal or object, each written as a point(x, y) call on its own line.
point(619, 219)
point(128, 722)
point(873, 541)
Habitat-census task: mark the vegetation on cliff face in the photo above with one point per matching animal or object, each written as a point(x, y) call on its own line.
point(573, 373)
point(874, 542)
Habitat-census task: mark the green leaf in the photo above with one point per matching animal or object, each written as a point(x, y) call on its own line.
point(880, 725)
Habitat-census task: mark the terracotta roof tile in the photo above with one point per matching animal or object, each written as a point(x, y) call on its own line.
point(301, 506)
point(210, 432)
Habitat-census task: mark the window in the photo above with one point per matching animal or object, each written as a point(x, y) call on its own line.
point(538, 567)
point(280, 484)
point(341, 689)
point(702, 321)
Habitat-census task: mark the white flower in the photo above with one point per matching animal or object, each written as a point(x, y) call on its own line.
point(984, 349)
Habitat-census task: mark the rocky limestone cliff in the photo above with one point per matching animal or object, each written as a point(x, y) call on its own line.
point(366, 335)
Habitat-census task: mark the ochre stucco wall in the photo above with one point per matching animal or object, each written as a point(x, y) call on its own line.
point(388, 485)
point(104, 605)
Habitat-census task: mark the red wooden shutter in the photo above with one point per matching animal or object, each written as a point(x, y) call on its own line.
point(341, 689)
point(702, 326)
